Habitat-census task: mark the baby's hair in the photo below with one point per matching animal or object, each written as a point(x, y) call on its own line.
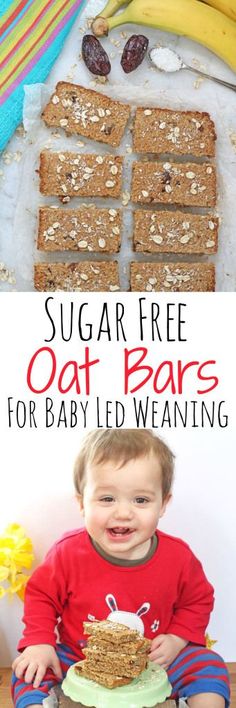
point(121, 446)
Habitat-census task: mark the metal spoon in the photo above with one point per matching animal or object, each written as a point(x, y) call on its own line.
point(166, 59)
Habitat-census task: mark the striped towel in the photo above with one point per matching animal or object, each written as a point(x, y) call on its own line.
point(32, 33)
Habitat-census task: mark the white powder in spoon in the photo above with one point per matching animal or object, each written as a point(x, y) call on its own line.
point(165, 59)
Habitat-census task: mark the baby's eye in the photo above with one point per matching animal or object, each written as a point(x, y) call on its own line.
point(141, 500)
point(107, 499)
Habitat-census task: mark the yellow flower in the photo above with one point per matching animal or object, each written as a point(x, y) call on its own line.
point(16, 552)
point(210, 642)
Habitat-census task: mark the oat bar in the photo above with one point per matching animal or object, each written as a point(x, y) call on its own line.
point(138, 646)
point(128, 665)
point(83, 276)
point(172, 277)
point(187, 184)
point(86, 112)
point(113, 632)
point(159, 130)
point(101, 677)
point(174, 232)
point(85, 229)
point(69, 174)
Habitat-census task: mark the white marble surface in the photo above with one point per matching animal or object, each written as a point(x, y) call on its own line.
point(19, 195)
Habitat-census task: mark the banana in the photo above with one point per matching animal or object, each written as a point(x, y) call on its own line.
point(190, 18)
point(228, 7)
point(112, 6)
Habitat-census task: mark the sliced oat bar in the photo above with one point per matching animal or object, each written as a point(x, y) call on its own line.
point(174, 232)
point(85, 229)
point(172, 277)
point(84, 276)
point(100, 677)
point(86, 112)
point(187, 184)
point(116, 663)
point(113, 632)
point(138, 646)
point(69, 174)
point(160, 130)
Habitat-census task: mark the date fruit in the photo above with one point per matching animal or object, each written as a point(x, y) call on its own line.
point(134, 52)
point(94, 56)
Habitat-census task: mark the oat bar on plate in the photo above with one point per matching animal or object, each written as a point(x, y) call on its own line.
point(172, 277)
point(83, 276)
point(85, 229)
point(174, 232)
point(86, 112)
point(160, 130)
point(186, 184)
point(69, 174)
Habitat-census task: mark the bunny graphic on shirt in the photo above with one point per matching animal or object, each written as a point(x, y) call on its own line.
point(130, 619)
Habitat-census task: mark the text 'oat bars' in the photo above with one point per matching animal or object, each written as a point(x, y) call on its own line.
point(86, 229)
point(186, 184)
point(174, 232)
point(83, 276)
point(159, 130)
point(172, 277)
point(69, 174)
point(86, 112)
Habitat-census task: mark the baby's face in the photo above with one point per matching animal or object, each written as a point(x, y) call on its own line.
point(122, 505)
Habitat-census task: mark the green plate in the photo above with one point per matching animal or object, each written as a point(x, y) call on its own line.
point(152, 686)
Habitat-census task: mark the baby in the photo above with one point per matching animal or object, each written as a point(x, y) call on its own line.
point(122, 568)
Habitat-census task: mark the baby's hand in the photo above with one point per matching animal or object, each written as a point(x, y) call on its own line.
point(165, 648)
point(34, 661)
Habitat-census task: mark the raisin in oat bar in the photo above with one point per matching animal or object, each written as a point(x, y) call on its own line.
point(172, 277)
point(174, 232)
point(86, 112)
point(159, 130)
point(85, 229)
point(69, 174)
point(84, 276)
point(186, 184)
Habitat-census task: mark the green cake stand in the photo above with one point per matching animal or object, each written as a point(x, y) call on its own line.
point(150, 688)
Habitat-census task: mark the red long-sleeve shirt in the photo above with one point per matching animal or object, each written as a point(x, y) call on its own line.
point(169, 593)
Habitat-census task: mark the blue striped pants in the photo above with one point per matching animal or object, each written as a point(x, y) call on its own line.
point(195, 670)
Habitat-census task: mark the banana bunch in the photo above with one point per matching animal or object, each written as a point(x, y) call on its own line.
point(209, 22)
